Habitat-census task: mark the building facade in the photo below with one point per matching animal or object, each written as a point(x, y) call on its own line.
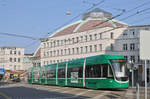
point(92, 35)
point(11, 58)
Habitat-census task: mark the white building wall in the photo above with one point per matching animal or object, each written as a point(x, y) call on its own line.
point(6, 55)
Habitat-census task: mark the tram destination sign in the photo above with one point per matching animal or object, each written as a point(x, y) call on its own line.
point(144, 45)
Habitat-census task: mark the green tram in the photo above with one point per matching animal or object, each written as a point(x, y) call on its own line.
point(96, 72)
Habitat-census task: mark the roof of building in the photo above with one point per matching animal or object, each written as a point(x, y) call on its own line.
point(37, 53)
point(96, 18)
point(88, 24)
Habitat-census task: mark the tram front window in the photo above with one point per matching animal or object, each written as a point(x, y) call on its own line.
point(120, 69)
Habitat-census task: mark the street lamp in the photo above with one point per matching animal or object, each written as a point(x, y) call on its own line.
point(132, 69)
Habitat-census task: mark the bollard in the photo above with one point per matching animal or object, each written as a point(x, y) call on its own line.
point(137, 91)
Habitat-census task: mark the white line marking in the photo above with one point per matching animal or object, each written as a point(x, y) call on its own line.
point(99, 96)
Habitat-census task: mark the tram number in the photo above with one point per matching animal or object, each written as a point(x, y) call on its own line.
point(74, 77)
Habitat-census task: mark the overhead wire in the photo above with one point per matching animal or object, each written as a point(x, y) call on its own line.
point(123, 11)
point(138, 12)
point(17, 35)
point(93, 6)
point(28, 37)
point(142, 19)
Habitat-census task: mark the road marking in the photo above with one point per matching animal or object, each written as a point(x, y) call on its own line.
point(83, 92)
point(129, 93)
point(99, 96)
point(4, 95)
point(68, 91)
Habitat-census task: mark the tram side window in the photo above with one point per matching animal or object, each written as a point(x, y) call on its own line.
point(107, 71)
point(61, 73)
point(35, 75)
point(42, 74)
point(97, 71)
point(75, 69)
point(30, 75)
point(51, 73)
point(93, 71)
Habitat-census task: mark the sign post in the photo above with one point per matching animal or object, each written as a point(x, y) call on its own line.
point(145, 79)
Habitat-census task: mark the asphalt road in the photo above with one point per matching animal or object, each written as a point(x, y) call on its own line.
point(32, 93)
point(29, 91)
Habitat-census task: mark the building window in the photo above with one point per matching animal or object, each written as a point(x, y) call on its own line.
point(57, 42)
point(132, 58)
point(57, 52)
point(132, 46)
point(47, 44)
point(54, 43)
point(61, 52)
point(77, 50)
point(14, 67)
point(57, 61)
point(95, 47)
point(61, 42)
point(90, 37)
point(54, 53)
point(65, 41)
point(95, 35)
point(126, 58)
point(14, 52)
point(65, 51)
point(132, 31)
point(69, 41)
point(14, 59)
point(86, 49)
point(10, 59)
point(86, 38)
point(81, 49)
point(90, 48)
point(111, 35)
point(11, 52)
point(125, 33)
point(72, 40)
point(81, 38)
point(47, 54)
point(111, 47)
point(125, 47)
point(18, 59)
point(100, 47)
point(72, 50)
point(50, 53)
point(138, 58)
point(69, 51)
point(19, 53)
point(100, 35)
point(77, 39)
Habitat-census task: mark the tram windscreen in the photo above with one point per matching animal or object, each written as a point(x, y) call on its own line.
point(120, 69)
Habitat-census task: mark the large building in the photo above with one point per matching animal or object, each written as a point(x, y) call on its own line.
point(11, 58)
point(94, 34)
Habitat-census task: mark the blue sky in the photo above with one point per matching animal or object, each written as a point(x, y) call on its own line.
point(36, 18)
